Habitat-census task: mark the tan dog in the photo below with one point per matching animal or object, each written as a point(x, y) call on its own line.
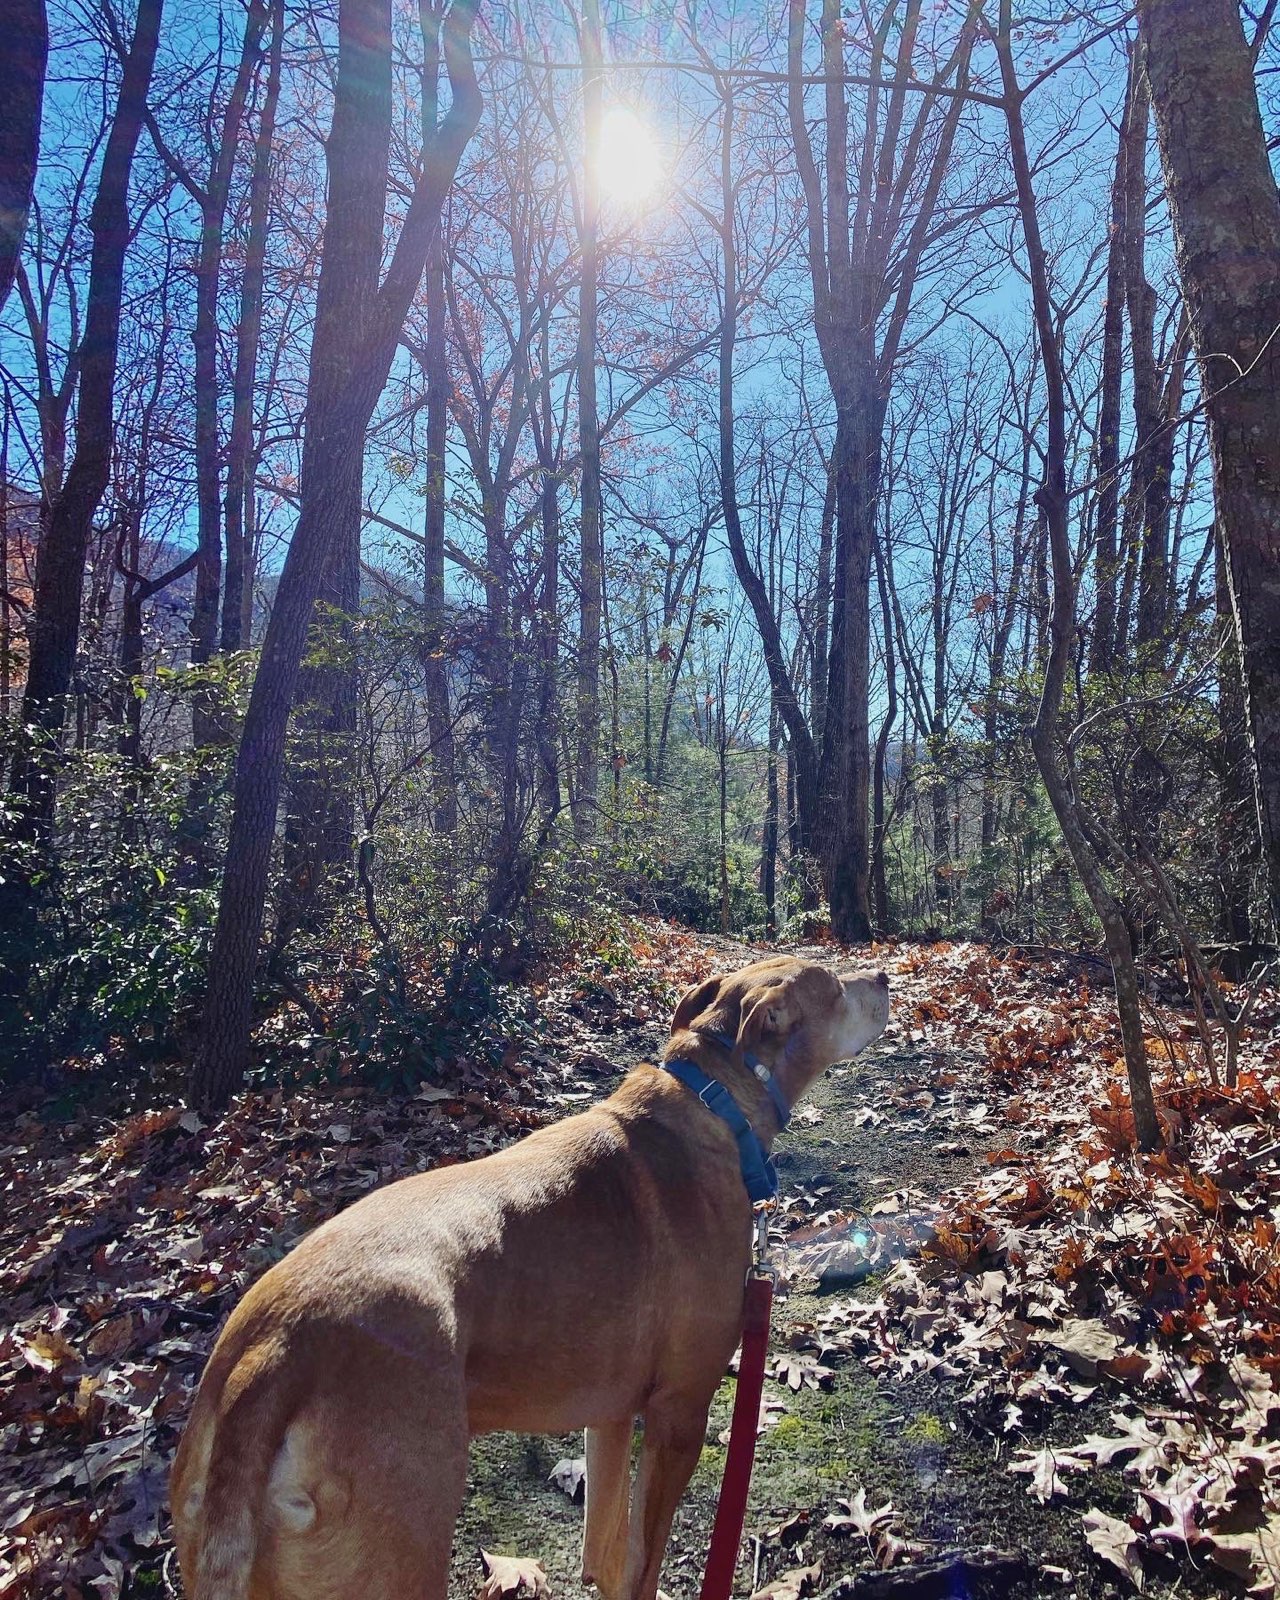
point(589, 1274)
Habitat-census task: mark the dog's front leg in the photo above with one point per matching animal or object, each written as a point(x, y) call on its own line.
point(674, 1429)
point(604, 1541)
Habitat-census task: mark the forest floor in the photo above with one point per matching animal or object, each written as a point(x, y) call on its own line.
point(1009, 1357)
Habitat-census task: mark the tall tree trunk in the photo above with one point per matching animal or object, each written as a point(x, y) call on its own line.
point(1150, 495)
point(1236, 820)
point(722, 775)
point(785, 697)
point(320, 802)
point(547, 623)
point(1226, 218)
point(769, 833)
point(54, 625)
point(1052, 500)
point(820, 665)
point(240, 465)
point(1107, 453)
point(207, 726)
point(22, 64)
point(844, 770)
point(864, 261)
point(591, 566)
point(444, 775)
point(357, 328)
point(434, 615)
point(1006, 616)
point(879, 819)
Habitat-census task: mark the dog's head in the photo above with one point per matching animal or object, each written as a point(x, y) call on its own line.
point(794, 1016)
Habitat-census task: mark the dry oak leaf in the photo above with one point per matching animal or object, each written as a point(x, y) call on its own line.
point(1252, 1554)
point(1115, 1542)
point(570, 1476)
point(1044, 1467)
point(1082, 1342)
point(506, 1577)
point(1150, 1449)
point(1179, 1500)
point(798, 1370)
point(790, 1532)
point(859, 1517)
point(792, 1585)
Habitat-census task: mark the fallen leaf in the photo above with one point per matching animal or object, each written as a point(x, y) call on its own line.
point(48, 1351)
point(506, 1577)
point(1044, 1467)
point(112, 1338)
point(859, 1518)
point(570, 1476)
point(790, 1532)
point(1082, 1342)
point(1252, 1554)
point(800, 1370)
point(1114, 1542)
point(792, 1585)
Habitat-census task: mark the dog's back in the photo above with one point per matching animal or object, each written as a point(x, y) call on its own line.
point(431, 1291)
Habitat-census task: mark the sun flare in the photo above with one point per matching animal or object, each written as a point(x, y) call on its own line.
point(627, 157)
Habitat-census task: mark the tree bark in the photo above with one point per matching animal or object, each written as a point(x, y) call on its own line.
point(357, 327)
point(1236, 820)
point(1102, 644)
point(1226, 218)
point(769, 832)
point(547, 629)
point(591, 568)
point(439, 718)
point(240, 466)
point(22, 65)
point(879, 816)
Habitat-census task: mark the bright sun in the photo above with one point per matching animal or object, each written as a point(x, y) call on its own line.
point(627, 158)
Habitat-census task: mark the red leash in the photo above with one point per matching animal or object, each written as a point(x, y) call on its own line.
point(726, 1536)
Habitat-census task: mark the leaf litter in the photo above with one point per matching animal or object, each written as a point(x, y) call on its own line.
point(1071, 1272)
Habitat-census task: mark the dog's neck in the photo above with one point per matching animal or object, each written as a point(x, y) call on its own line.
point(718, 1060)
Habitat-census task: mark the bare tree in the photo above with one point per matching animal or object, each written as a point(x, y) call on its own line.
point(1051, 498)
point(54, 624)
point(357, 328)
point(1226, 217)
point(591, 536)
point(239, 496)
point(871, 219)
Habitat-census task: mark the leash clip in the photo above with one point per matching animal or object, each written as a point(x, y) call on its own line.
point(761, 1264)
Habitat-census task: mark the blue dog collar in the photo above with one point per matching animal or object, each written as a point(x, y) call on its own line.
point(757, 1169)
point(757, 1067)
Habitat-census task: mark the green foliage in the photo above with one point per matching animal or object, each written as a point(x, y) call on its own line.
point(121, 917)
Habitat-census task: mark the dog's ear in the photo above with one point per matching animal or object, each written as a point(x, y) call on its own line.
point(693, 1002)
point(766, 1018)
